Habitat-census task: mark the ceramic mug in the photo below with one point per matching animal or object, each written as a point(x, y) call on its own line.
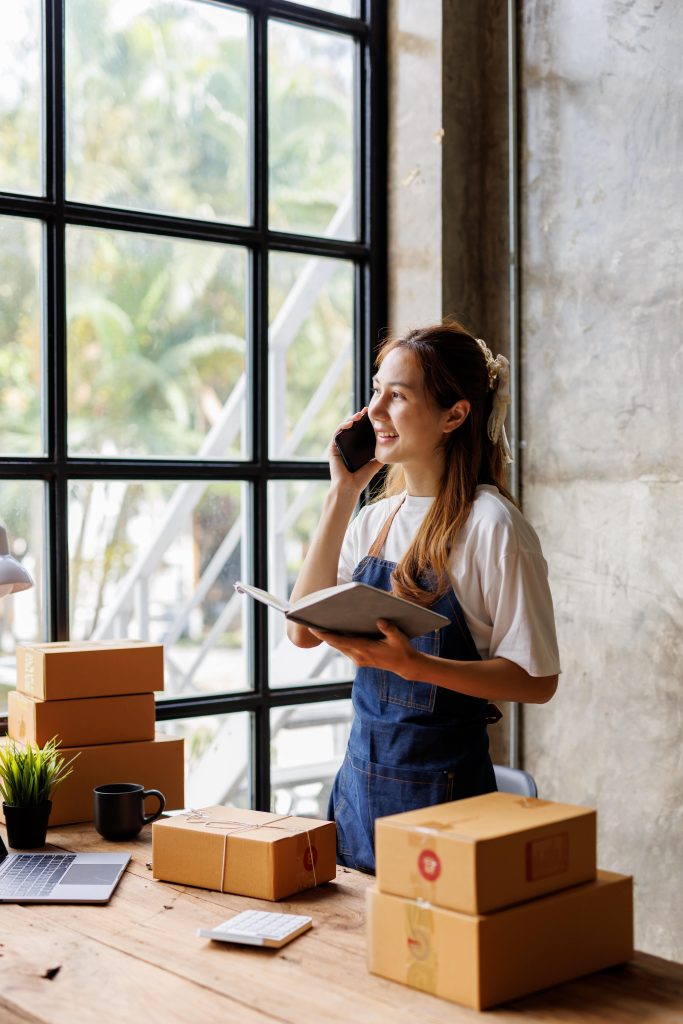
point(119, 809)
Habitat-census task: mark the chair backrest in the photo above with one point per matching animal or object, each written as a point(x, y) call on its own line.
point(514, 780)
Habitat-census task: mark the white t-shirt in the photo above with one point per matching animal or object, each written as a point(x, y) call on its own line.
point(497, 571)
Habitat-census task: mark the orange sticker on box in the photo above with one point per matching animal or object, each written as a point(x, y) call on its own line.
point(547, 857)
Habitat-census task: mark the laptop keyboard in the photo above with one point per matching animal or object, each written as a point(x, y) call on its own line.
point(32, 876)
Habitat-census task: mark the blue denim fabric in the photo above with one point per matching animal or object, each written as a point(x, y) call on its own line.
point(412, 744)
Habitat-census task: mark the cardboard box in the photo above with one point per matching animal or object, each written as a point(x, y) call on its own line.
point(84, 721)
point(483, 960)
point(61, 671)
point(251, 853)
point(485, 852)
point(156, 764)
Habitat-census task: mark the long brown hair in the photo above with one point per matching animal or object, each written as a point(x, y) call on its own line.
point(453, 367)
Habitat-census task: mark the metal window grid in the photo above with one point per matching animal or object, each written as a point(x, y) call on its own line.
point(368, 255)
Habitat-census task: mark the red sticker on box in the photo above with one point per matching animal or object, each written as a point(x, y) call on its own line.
point(547, 857)
point(310, 857)
point(429, 865)
point(419, 944)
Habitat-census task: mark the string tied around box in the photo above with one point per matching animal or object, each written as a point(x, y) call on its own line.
point(232, 827)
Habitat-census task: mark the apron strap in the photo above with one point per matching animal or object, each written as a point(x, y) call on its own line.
point(381, 537)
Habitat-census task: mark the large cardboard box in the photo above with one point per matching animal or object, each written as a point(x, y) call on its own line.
point(483, 960)
point(251, 853)
point(156, 764)
point(485, 852)
point(85, 721)
point(63, 670)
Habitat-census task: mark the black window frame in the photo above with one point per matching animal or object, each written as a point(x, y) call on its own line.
point(369, 255)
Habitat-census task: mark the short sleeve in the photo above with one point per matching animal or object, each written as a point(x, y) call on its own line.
point(520, 607)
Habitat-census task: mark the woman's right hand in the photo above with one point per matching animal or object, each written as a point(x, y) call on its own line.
point(339, 474)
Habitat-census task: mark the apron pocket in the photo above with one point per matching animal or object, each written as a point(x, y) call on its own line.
point(390, 790)
point(408, 693)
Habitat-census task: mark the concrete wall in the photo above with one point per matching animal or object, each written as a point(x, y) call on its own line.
point(602, 335)
point(602, 248)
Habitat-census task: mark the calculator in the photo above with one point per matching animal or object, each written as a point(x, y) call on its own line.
point(259, 928)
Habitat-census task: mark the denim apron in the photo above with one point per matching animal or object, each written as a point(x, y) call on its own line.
point(411, 744)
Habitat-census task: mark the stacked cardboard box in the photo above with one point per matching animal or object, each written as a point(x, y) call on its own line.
point(487, 899)
point(98, 700)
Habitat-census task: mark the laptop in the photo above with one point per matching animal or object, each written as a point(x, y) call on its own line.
point(59, 877)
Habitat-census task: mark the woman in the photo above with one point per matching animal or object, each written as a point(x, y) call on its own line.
point(446, 533)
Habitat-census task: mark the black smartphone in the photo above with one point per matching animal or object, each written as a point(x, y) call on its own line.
point(356, 444)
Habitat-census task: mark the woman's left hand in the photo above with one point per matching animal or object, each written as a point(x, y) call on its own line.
point(394, 652)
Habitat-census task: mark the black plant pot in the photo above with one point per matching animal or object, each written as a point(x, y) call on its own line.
point(27, 826)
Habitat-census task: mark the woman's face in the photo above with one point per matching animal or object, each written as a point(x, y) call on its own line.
point(410, 427)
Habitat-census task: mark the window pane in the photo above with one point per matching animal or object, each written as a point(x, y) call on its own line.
point(293, 512)
point(21, 343)
point(21, 45)
point(307, 747)
point(348, 7)
point(217, 758)
point(156, 349)
point(310, 353)
point(157, 561)
point(22, 510)
point(310, 131)
point(157, 100)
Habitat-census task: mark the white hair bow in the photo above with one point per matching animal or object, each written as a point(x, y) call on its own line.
point(499, 382)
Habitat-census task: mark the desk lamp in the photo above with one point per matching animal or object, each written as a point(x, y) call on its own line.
point(13, 576)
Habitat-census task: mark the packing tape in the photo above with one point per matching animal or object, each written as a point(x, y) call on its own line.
point(421, 966)
point(232, 827)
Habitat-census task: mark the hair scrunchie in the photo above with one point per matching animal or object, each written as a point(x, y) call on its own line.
point(498, 370)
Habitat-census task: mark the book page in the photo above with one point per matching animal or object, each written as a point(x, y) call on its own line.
point(320, 595)
point(263, 596)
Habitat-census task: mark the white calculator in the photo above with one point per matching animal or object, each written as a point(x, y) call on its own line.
point(259, 928)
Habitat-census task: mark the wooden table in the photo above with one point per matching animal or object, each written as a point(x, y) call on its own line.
point(139, 959)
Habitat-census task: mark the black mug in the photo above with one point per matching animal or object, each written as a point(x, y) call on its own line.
point(120, 809)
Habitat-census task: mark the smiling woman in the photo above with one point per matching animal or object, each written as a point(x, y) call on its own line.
point(446, 533)
point(410, 427)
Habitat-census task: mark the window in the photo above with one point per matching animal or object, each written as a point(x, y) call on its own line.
point(192, 275)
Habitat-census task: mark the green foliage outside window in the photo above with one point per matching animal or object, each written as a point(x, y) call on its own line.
point(157, 119)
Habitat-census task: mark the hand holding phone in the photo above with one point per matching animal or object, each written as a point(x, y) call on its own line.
point(356, 444)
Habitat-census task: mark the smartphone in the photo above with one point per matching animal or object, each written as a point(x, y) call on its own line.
point(356, 444)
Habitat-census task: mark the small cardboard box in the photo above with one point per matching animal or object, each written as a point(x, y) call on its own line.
point(250, 853)
point(65, 670)
point(156, 764)
point(481, 961)
point(485, 852)
point(84, 721)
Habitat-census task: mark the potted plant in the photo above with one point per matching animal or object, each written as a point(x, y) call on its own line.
point(29, 776)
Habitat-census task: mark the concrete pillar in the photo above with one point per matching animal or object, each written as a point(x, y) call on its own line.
point(602, 233)
point(448, 164)
point(448, 248)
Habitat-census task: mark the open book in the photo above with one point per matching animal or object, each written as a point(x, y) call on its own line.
point(352, 608)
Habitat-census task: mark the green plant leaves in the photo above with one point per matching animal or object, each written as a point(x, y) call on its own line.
point(29, 775)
